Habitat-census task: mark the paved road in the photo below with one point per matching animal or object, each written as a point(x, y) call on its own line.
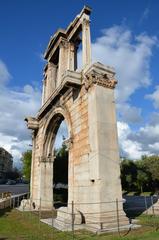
point(134, 205)
point(15, 189)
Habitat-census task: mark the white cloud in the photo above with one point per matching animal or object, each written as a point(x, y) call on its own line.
point(134, 144)
point(61, 135)
point(4, 73)
point(15, 146)
point(129, 148)
point(116, 47)
point(144, 15)
point(15, 106)
point(129, 55)
point(154, 119)
point(154, 147)
point(148, 137)
point(129, 113)
point(41, 57)
point(154, 97)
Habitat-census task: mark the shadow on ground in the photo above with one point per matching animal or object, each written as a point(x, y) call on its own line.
point(136, 205)
point(4, 212)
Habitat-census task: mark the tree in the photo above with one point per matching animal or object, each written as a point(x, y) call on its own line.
point(13, 174)
point(141, 175)
point(26, 159)
point(151, 164)
point(61, 165)
point(142, 180)
point(128, 174)
point(60, 174)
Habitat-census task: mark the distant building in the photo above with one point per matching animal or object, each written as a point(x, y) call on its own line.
point(6, 162)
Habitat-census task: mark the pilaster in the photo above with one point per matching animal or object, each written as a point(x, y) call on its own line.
point(63, 59)
point(86, 42)
point(51, 78)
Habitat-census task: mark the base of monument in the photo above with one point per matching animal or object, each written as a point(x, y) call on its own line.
point(69, 227)
point(29, 205)
point(112, 229)
point(25, 205)
point(60, 225)
point(154, 209)
point(65, 222)
point(65, 219)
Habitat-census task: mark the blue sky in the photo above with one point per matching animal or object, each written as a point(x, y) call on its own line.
point(124, 34)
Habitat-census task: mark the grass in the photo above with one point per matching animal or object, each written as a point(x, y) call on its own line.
point(18, 225)
point(138, 193)
point(132, 194)
point(149, 220)
point(146, 194)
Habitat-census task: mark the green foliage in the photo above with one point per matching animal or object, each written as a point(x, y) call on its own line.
point(14, 174)
point(61, 165)
point(152, 165)
point(141, 175)
point(26, 225)
point(142, 179)
point(128, 174)
point(26, 159)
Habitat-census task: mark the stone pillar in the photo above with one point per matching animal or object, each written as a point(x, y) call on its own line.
point(32, 163)
point(43, 91)
point(49, 82)
point(86, 42)
point(104, 143)
point(51, 78)
point(104, 152)
point(63, 60)
point(46, 183)
point(72, 62)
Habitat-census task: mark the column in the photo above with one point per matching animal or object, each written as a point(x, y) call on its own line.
point(86, 42)
point(51, 78)
point(63, 59)
point(32, 163)
point(46, 183)
point(43, 92)
point(72, 63)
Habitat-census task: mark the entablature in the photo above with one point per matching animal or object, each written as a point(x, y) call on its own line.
point(69, 34)
point(99, 74)
point(69, 79)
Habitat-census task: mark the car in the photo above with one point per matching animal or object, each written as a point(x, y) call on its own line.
point(25, 181)
point(11, 182)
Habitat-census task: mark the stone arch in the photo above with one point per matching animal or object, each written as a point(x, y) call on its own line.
point(49, 132)
point(51, 127)
point(94, 170)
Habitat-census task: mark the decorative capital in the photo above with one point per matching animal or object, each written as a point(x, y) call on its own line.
point(68, 142)
point(46, 159)
point(51, 65)
point(32, 123)
point(106, 80)
point(64, 43)
point(86, 22)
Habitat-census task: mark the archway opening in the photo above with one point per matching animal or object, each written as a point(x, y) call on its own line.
point(60, 166)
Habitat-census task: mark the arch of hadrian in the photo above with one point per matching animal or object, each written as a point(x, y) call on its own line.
point(85, 99)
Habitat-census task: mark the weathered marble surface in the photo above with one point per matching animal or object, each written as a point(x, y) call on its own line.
point(85, 99)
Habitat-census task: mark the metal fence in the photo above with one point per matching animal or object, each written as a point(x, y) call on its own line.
point(12, 201)
point(88, 223)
